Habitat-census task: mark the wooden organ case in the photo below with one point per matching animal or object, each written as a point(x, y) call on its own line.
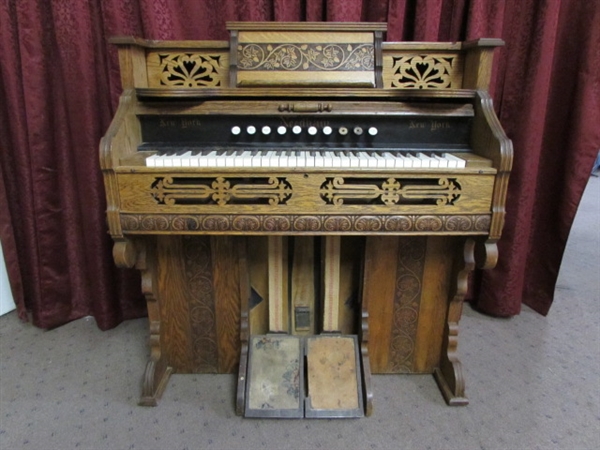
point(305, 203)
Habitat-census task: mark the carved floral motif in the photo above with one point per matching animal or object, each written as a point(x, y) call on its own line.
point(422, 72)
point(189, 70)
point(306, 57)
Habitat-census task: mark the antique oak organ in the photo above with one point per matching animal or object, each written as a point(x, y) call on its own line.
point(305, 203)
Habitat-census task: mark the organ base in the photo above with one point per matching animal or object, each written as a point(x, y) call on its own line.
point(398, 299)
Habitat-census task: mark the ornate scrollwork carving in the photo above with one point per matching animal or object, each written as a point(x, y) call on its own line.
point(422, 72)
point(221, 191)
point(306, 57)
point(407, 300)
point(441, 191)
point(190, 70)
point(324, 223)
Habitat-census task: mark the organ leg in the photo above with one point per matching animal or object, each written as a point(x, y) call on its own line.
point(157, 371)
point(449, 374)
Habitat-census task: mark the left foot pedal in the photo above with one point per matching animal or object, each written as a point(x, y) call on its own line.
point(275, 382)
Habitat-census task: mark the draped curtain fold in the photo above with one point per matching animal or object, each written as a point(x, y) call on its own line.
point(59, 88)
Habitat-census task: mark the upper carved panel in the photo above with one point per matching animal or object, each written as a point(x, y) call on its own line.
point(187, 69)
point(423, 71)
point(307, 57)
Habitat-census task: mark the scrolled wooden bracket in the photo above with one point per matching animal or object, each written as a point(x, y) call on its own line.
point(486, 254)
point(125, 253)
point(305, 107)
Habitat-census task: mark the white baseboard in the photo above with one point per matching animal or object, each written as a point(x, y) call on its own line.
point(7, 304)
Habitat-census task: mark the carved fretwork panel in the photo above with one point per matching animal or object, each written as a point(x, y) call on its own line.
point(187, 69)
point(390, 191)
point(220, 191)
point(422, 71)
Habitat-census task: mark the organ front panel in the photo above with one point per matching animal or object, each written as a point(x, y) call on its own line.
point(300, 182)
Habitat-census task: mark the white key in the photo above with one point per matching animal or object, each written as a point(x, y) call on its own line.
point(246, 159)
point(230, 159)
point(328, 159)
point(211, 159)
point(310, 159)
point(264, 159)
point(151, 160)
point(354, 160)
point(406, 161)
point(300, 158)
point(272, 159)
point(380, 160)
point(372, 160)
point(186, 159)
point(431, 162)
point(176, 160)
point(221, 159)
point(423, 158)
point(344, 159)
point(460, 163)
point(283, 159)
point(195, 160)
point(441, 161)
point(416, 162)
point(391, 161)
point(257, 159)
point(319, 162)
point(363, 159)
point(337, 161)
point(292, 159)
point(168, 160)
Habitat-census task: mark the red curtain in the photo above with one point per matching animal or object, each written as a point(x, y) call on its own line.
point(59, 86)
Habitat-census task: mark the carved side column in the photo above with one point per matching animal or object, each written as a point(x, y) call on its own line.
point(157, 371)
point(449, 374)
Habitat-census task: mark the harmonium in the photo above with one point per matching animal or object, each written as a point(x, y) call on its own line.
point(305, 203)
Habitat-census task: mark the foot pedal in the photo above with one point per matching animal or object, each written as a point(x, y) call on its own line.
point(275, 378)
point(275, 381)
point(334, 377)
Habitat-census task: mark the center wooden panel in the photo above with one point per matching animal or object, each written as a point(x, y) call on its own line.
point(198, 284)
point(406, 283)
